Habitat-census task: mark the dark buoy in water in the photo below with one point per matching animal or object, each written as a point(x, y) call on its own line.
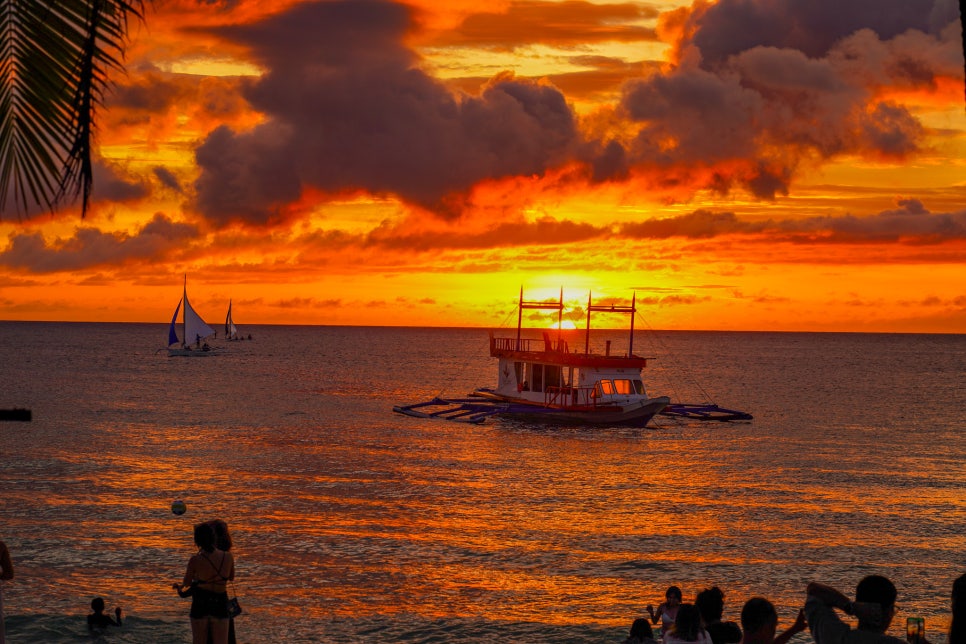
point(16, 414)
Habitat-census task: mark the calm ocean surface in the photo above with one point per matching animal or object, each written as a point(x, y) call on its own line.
point(356, 524)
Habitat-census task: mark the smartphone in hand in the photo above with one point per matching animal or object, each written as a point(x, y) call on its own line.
point(915, 630)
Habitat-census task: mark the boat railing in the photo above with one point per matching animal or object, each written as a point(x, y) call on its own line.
point(528, 344)
point(570, 397)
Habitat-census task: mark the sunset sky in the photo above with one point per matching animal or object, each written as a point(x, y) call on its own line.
point(780, 165)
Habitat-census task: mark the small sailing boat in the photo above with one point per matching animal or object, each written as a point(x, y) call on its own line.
point(194, 328)
point(231, 331)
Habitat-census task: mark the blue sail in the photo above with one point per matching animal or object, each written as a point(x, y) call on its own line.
point(172, 335)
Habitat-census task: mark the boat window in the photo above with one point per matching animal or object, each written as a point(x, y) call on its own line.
point(625, 387)
point(607, 387)
point(553, 375)
point(536, 382)
point(639, 387)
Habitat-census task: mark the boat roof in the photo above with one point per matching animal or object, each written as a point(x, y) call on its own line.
point(550, 352)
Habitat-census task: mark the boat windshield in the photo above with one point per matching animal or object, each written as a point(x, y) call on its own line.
point(622, 386)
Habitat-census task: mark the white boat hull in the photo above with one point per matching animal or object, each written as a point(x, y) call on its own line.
point(180, 352)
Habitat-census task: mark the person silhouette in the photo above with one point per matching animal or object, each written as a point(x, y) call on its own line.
point(98, 620)
point(874, 607)
point(207, 575)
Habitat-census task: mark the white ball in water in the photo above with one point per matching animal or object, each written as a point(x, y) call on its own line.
point(179, 507)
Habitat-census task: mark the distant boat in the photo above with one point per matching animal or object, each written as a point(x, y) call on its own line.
point(546, 380)
point(193, 328)
point(231, 331)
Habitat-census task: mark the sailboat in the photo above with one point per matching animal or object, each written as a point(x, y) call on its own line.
point(194, 328)
point(231, 331)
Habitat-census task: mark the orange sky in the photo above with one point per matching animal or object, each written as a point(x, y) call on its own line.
point(737, 164)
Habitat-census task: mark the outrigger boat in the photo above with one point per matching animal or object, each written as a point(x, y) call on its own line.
point(545, 380)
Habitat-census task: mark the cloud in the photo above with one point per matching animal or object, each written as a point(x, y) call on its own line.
point(762, 87)
point(112, 183)
point(729, 27)
point(545, 231)
point(565, 23)
point(89, 247)
point(910, 223)
point(167, 178)
point(348, 110)
point(156, 107)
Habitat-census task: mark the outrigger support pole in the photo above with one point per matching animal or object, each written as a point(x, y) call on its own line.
point(560, 321)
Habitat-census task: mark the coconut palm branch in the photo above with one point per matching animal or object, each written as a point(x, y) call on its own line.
point(55, 56)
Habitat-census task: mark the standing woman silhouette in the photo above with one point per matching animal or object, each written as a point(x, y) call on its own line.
point(207, 575)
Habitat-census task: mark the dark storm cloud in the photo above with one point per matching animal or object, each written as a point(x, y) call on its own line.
point(729, 27)
point(762, 86)
point(348, 111)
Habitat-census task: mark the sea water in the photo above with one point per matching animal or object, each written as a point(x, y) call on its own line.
point(356, 524)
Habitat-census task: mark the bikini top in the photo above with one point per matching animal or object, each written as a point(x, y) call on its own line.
point(219, 577)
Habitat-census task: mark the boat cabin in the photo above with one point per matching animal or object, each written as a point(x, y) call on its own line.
point(548, 372)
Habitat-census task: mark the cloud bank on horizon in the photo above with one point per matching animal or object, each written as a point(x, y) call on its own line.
point(756, 90)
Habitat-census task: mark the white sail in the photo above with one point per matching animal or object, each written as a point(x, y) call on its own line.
point(231, 332)
point(195, 329)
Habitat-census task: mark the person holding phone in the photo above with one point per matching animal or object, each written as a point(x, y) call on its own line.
point(874, 607)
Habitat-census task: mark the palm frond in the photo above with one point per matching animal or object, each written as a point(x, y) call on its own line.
point(56, 55)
